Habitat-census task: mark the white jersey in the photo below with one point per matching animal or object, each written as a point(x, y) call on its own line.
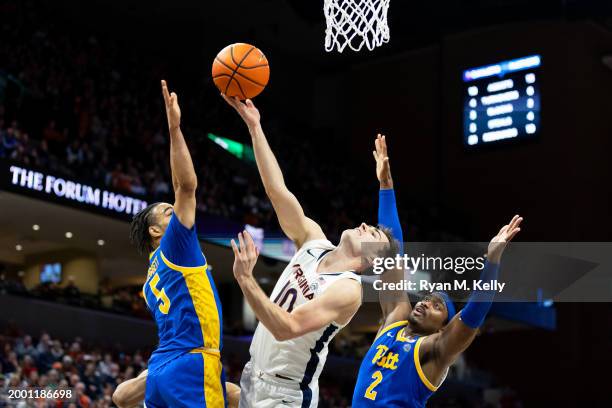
point(300, 359)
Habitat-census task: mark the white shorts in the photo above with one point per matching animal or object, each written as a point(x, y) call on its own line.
point(260, 390)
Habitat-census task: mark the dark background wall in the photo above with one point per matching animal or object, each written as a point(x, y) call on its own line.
point(560, 183)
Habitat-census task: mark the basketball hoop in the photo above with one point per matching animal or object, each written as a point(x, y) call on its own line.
point(356, 23)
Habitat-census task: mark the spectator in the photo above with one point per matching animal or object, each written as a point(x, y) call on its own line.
point(9, 144)
point(71, 291)
point(92, 381)
point(24, 347)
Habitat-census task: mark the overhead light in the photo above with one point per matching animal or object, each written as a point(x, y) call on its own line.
point(101, 242)
point(68, 234)
point(18, 247)
point(35, 227)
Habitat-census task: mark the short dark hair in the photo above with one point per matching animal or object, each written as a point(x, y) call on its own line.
point(139, 229)
point(389, 251)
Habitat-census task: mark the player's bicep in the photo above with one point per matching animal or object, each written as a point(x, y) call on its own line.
point(395, 312)
point(292, 219)
point(395, 305)
point(452, 341)
point(338, 304)
point(185, 207)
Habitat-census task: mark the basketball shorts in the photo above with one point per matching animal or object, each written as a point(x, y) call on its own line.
point(260, 390)
point(195, 379)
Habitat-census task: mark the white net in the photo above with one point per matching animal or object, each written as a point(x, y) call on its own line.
point(355, 23)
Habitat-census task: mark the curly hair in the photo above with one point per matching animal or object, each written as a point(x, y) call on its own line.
point(139, 229)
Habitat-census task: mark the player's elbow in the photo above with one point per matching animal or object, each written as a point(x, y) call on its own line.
point(284, 335)
point(273, 192)
point(290, 330)
point(120, 396)
point(187, 186)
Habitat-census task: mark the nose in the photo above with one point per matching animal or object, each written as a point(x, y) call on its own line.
point(363, 226)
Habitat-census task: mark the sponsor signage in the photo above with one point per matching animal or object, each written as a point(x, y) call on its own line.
point(43, 185)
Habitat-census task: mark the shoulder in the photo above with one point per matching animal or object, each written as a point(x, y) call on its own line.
point(346, 292)
point(391, 327)
point(176, 224)
point(316, 244)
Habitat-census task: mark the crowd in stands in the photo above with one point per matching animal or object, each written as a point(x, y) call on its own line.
point(81, 105)
point(90, 372)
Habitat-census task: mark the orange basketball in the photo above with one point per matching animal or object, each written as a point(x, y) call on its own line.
point(241, 70)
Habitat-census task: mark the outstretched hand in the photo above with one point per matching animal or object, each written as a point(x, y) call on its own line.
point(383, 169)
point(505, 235)
point(245, 256)
point(247, 110)
point(173, 111)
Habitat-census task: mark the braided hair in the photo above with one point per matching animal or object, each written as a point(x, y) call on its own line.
point(139, 229)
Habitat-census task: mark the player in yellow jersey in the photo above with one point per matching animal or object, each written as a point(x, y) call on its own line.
point(185, 370)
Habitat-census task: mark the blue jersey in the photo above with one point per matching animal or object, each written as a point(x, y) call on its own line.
point(182, 297)
point(390, 374)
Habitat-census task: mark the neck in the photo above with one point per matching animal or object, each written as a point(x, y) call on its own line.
point(338, 260)
point(414, 330)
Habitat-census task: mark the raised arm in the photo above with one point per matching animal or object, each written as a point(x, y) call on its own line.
point(395, 306)
point(184, 180)
point(337, 304)
point(291, 218)
point(460, 332)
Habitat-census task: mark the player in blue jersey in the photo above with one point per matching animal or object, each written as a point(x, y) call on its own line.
point(185, 370)
point(414, 348)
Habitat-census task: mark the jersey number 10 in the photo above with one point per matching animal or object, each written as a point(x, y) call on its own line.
point(284, 296)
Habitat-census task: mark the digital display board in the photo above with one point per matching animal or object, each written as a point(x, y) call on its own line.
point(51, 273)
point(502, 101)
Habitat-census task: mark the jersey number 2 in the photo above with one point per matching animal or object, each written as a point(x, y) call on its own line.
point(370, 393)
point(160, 295)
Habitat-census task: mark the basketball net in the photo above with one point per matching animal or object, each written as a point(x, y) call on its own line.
point(356, 23)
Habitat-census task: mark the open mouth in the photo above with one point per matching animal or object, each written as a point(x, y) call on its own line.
point(419, 311)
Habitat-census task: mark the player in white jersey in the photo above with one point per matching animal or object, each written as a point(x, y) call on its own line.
point(317, 294)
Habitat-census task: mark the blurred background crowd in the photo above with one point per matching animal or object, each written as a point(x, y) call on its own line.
point(79, 106)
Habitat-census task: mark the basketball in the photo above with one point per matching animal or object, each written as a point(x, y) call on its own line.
point(241, 70)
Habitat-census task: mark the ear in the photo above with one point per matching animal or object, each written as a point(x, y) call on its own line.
point(155, 231)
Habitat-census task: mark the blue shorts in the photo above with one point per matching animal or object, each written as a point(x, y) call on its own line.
point(195, 379)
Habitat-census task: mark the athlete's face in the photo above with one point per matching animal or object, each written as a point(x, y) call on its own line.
point(160, 219)
point(355, 238)
point(429, 315)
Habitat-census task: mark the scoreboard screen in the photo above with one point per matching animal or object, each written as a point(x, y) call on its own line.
point(502, 101)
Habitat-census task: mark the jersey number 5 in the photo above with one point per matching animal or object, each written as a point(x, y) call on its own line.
point(370, 393)
point(160, 295)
